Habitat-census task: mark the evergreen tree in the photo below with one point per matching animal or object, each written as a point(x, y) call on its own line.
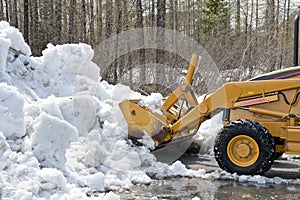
point(217, 16)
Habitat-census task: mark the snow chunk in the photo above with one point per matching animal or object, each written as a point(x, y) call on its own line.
point(11, 111)
point(4, 45)
point(70, 59)
point(84, 109)
point(22, 195)
point(140, 178)
point(96, 182)
point(111, 196)
point(15, 37)
point(50, 139)
point(207, 133)
point(95, 152)
point(122, 157)
point(120, 92)
point(154, 101)
point(52, 178)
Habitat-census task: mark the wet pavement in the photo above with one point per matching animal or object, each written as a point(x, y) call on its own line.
point(197, 188)
point(283, 167)
point(184, 188)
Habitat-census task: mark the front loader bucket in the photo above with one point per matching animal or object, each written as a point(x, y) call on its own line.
point(143, 122)
point(173, 150)
point(171, 131)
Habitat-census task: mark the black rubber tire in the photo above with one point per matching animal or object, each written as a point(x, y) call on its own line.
point(258, 133)
point(278, 155)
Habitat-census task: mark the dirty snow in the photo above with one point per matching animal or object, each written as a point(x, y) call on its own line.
point(62, 134)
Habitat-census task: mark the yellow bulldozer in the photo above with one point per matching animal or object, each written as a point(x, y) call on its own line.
point(261, 119)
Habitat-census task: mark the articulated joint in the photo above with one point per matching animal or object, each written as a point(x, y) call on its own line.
point(185, 87)
point(203, 108)
point(293, 118)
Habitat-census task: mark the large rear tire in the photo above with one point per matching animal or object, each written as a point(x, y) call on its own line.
point(244, 147)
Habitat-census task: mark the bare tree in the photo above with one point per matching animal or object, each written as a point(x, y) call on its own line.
point(161, 23)
point(92, 23)
point(26, 20)
point(16, 14)
point(140, 39)
point(2, 17)
point(71, 20)
point(6, 10)
point(99, 20)
point(238, 17)
point(83, 21)
point(58, 21)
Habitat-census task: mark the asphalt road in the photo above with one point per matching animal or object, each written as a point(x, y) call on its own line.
point(288, 168)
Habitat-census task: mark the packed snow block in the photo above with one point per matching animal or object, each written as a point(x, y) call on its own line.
point(70, 59)
point(84, 110)
point(139, 177)
point(51, 179)
point(4, 45)
point(11, 112)
point(108, 196)
point(120, 92)
point(123, 157)
point(85, 85)
point(95, 150)
point(96, 181)
point(50, 139)
point(15, 37)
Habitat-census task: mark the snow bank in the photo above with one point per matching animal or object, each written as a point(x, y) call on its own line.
point(14, 38)
point(62, 134)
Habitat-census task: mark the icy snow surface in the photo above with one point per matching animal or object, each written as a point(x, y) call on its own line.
point(62, 133)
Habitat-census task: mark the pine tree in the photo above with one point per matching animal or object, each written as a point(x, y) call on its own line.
point(217, 16)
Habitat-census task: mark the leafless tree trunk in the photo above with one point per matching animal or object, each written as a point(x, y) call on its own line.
point(140, 40)
point(6, 10)
point(2, 10)
point(271, 27)
point(99, 21)
point(282, 36)
point(26, 21)
point(153, 13)
point(238, 17)
point(108, 20)
point(92, 23)
point(116, 64)
point(161, 23)
point(71, 20)
point(58, 21)
point(35, 27)
point(83, 19)
point(16, 13)
point(51, 20)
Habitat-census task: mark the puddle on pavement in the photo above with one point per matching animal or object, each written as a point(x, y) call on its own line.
point(185, 188)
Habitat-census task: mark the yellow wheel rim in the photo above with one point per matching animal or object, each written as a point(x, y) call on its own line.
point(243, 151)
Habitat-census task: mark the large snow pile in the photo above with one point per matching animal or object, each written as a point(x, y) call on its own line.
point(61, 131)
point(62, 134)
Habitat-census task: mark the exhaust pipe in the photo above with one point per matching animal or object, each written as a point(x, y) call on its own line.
point(296, 40)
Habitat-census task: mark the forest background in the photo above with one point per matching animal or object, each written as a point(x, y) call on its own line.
point(248, 35)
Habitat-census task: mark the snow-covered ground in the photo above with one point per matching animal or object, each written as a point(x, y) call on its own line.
point(62, 133)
